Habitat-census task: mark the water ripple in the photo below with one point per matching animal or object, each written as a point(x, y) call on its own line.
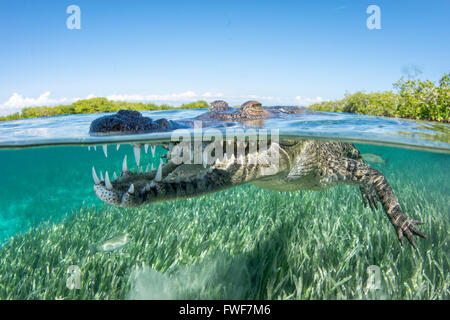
point(74, 129)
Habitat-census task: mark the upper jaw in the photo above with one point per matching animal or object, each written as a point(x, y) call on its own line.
point(131, 189)
point(171, 180)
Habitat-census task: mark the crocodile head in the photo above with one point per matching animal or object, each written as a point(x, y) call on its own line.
point(219, 106)
point(180, 177)
point(183, 179)
point(133, 122)
point(249, 111)
point(137, 187)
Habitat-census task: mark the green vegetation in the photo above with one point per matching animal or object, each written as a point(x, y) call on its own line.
point(245, 243)
point(96, 105)
point(413, 99)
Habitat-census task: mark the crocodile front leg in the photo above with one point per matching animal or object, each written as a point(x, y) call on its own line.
point(372, 182)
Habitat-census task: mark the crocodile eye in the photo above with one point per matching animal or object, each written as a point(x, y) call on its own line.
point(219, 105)
point(163, 123)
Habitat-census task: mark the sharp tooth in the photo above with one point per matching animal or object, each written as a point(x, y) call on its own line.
point(153, 148)
point(137, 153)
point(242, 144)
point(114, 175)
point(205, 159)
point(146, 169)
point(252, 159)
point(176, 151)
point(95, 148)
point(178, 179)
point(131, 188)
point(105, 150)
point(152, 167)
point(118, 146)
point(179, 151)
point(101, 176)
point(94, 176)
point(232, 158)
point(89, 148)
point(141, 170)
point(146, 147)
point(159, 172)
point(108, 182)
point(124, 164)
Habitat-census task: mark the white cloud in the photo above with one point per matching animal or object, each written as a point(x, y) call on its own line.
point(307, 101)
point(270, 98)
point(17, 101)
point(176, 97)
point(212, 95)
point(157, 97)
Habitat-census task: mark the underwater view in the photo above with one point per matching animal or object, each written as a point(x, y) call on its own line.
point(62, 238)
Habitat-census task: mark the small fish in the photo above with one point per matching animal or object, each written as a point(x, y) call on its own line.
point(373, 158)
point(112, 244)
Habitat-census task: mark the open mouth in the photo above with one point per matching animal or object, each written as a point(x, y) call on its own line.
point(180, 173)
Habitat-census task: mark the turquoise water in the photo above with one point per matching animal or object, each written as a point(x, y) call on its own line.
point(45, 165)
point(50, 182)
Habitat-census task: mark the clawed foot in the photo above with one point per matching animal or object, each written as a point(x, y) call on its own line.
point(406, 227)
point(369, 196)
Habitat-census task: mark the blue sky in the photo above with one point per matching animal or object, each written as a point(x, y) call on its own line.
point(279, 52)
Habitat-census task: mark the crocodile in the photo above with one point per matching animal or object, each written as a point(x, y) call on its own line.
point(132, 122)
point(301, 165)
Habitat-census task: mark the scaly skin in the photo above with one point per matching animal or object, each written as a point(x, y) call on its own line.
point(303, 165)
